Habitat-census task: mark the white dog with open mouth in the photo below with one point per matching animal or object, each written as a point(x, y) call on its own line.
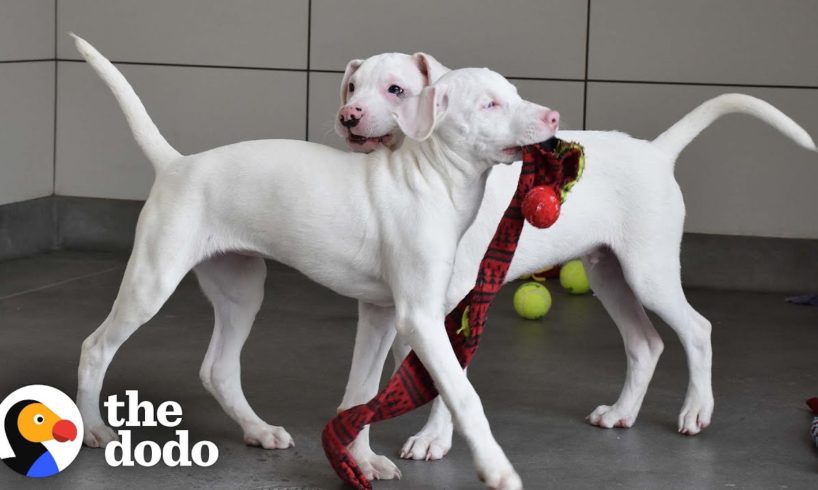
point(624, 218)
point(382, 228)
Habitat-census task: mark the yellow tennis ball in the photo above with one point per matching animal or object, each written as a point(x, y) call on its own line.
point(532, 300)
point(573, 278)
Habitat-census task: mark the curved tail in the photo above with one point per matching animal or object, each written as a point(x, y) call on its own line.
point(678, 136)
point(147, 135)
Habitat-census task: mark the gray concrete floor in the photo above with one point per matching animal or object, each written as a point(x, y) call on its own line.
point(538, 380)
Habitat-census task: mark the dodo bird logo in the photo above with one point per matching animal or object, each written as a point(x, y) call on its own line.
point(41, 431)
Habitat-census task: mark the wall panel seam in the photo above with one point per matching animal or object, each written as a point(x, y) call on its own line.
point(55, 231)
point(587, 49)
point(309, 47)
point(30, 60)
point(510, 77)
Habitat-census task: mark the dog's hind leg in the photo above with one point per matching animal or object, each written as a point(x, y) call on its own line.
point(643, 346)
point(234, 284)
point(163, 253)
point(375, 333)
point(657, 283)
point(697, 410)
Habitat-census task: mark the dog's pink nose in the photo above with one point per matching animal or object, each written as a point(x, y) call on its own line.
point(350, 115)
point(552, 120)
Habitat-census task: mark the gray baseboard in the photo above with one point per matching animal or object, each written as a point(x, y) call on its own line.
point(85, 223)
point(709, 261)
point(750, 263)
point(27, 228)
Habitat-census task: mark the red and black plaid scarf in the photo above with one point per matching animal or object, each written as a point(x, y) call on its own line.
point(553, 163)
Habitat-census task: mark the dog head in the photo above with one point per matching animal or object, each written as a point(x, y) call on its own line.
point(371, 89)
point(478, 115)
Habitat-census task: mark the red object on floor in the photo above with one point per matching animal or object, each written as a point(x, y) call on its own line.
point(553, 273)
point(813, 404)
point(411, 386)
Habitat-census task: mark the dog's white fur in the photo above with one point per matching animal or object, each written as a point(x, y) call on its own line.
point(382, 228)
point(624, 218)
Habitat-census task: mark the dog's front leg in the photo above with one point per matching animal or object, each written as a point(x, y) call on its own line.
point(376, 331)
point(420, 322)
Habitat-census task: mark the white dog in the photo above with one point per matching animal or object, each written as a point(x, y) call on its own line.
point(382, 228)
point(624, 218)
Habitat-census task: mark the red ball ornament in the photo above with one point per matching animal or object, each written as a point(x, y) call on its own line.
point(541, 206)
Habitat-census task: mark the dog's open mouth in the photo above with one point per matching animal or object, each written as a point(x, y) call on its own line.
point(355, 139)
point(513, 150)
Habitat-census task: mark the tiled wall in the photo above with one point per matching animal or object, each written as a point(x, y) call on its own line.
point(26, 99)
point(215, 71)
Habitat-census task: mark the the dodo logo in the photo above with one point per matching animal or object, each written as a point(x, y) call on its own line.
point(38, 436)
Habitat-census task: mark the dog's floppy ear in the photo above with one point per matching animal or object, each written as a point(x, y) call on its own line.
point(352, 66)
point(430, 67)
point(417, 116)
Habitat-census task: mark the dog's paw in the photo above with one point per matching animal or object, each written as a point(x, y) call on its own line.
point(696, 414)
point(373, 466)
point(268, 437)
point(427, 446)
point(502, 480)
point(608, 417)
point(99, 435)
point(377, 467)
point(493, 467)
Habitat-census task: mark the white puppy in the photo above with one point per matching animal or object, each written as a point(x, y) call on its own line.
point(382, 228)
point(624, 218)
point(365, 117)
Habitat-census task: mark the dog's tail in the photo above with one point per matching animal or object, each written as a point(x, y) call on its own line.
point(147, 135)
point(678, 136)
